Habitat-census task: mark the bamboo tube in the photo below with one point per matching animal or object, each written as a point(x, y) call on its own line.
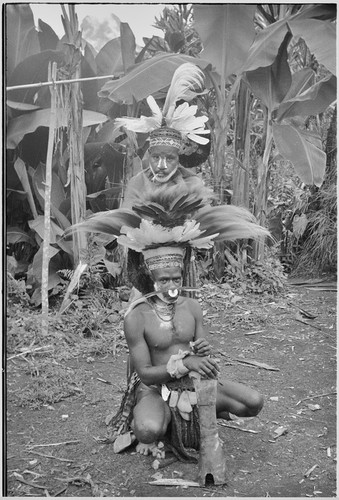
point(47, 206)
point(212, 464)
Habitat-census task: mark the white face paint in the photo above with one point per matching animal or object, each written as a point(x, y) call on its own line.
point(163, 162)
point(161, 178)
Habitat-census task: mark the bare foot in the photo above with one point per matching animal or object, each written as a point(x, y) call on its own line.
point(151, 449)
point(224, 415)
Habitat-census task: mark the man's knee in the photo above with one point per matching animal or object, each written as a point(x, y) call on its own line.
point(255, 403)
point(148, 431)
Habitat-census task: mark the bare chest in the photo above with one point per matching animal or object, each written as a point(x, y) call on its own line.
point(162, 334)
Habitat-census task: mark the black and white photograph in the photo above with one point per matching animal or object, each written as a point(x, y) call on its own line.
point(169, 294)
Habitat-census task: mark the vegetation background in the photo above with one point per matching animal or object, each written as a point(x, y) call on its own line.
point(271, 102)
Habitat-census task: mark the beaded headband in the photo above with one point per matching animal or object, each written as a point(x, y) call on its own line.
point(165, 136)
point(164, 257)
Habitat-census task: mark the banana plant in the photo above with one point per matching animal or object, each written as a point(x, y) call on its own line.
point(246, 53)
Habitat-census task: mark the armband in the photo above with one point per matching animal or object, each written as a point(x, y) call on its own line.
point(175, 367)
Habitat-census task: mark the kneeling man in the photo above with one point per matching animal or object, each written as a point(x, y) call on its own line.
point(166, 341)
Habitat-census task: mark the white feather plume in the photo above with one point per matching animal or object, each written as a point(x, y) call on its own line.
point(183, 118)
point(185, 77)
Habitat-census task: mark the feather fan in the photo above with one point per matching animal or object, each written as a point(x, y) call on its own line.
point(109, 222)
point(174, 216)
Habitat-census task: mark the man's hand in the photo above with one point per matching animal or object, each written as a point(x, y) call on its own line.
point(206, 367)
point(201, 347)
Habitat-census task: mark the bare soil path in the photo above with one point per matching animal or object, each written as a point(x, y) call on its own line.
point(269, 343)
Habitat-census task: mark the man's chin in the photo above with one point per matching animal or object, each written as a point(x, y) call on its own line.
point(162, 179)
point(167, 298)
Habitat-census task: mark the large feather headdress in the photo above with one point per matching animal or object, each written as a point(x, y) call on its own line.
point(186, 79)
point(174, 217)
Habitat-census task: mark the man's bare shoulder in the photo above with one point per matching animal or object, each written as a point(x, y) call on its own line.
point(192, 304)
point(137, 311)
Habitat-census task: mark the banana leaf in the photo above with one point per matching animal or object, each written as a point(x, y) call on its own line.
point(128, 46)
point(303, 150)
point(146, 78)
point(227, 32)
point(29, 122)
point(307, 101)
point(320, 38)
point(271, 83)
point(21, 35)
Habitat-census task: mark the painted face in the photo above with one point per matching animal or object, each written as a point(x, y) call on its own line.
point(166, 282)
point(163, 161)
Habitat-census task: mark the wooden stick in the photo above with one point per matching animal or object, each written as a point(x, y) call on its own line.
point(59, 82)
point(104, 381)
point(28, 352)
point(50, 456)
point(30, 484)
point(73, 479)
point(61, 491)
point(52, 444)
point(238, 428)
point(165, 463)
point(308, 324)
point(317, 396)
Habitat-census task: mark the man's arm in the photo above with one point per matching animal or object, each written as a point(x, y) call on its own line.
point(139, 351)
point(201, 345)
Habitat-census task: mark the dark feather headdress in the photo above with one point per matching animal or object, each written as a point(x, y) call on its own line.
point(167, 220)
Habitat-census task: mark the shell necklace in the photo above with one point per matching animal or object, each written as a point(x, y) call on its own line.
point(164, 311)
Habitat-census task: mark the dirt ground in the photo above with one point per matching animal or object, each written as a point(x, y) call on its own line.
point(269, 343)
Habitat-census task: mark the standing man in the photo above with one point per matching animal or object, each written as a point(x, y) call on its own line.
point(163, 167)
point(174, 132)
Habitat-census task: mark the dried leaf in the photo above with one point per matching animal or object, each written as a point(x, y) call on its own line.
point(123, 441)
point(309, 472)
point(313, 407)
point(157, 475)
point(280, 431)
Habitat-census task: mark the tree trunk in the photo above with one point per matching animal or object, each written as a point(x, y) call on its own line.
point(47, 205)
point(331, 151)
point(241, 167)
point(262, 186)
point(77, 169)
point(73, 102)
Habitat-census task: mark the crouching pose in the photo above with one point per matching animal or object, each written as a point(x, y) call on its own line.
point(163, 329)
point(166, 340)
